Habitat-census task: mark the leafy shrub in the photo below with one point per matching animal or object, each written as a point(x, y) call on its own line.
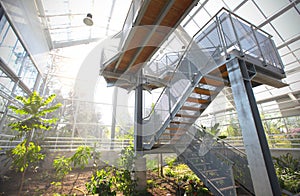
point(62, 167)
point(102, 182)
point(109, 180)
point(288, 172)
point(81, 156)
point(24, 154)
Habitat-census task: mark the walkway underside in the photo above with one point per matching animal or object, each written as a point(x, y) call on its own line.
point(155, 21)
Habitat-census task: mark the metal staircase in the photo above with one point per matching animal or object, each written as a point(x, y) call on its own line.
point(227, 51)
point(202, 72)
point(200, 75)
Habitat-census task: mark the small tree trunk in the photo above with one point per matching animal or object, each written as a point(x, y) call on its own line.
point(22, 182)
point(78, 174)
point(62, 185)
point(23, 173)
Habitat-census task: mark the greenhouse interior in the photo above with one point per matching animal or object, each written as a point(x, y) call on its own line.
point(150, 97)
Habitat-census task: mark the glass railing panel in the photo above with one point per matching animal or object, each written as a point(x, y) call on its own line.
point(114, 45)
point(130, 19)
point(163, 66)
point(109, 49)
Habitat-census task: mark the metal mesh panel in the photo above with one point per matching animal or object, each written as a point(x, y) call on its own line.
point(241, 170)
point(212, 168)
point(227, 32)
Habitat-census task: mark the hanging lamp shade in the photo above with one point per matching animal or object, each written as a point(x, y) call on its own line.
point(88, 20)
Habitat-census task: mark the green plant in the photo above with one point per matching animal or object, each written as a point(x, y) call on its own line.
point(62, 167)
point(32, 113)
point(170, 161)
point(80, 159)
point(288, 172)
point(24, 154)
point(195, 187)
point(127, 158)
point(124, 181)
point(102, 182)
point(107, 181)
point(169, 172)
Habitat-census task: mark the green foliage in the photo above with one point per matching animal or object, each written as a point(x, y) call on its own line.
point(127, 158)
point(184, 178)
point(151, 163)
point(102, 182)
point(169, 172)
point(151, 183)
point(24, 154)
point(107, 181)
point(195, 187)
point(128, 135)
point(81, 156)
point(32, 112)
point(170, 161)
point(124, 182)
point(288, 172)
point(62, 166)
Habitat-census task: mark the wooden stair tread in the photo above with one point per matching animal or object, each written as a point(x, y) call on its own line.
point(192, 108)
point(175, 128)
point(203, 91)
point(212, 82)
point(180, 122)
point(186, 116)
point(217, 179)
point(198, 100)
point(228, 188)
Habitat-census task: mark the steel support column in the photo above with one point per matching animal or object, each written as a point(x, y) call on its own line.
point(113, 120)
point(140, 161)
point(138, 120)
point(262, 170)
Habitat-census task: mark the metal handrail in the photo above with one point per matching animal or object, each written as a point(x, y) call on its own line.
point(68, 143)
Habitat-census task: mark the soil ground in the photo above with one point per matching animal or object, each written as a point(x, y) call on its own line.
point(40, 183)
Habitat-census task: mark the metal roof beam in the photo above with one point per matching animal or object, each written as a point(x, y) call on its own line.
point(279, 13)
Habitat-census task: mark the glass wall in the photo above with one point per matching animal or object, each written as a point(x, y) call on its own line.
point(18, 74)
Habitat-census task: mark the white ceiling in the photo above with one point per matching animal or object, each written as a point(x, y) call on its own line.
point(63, 20)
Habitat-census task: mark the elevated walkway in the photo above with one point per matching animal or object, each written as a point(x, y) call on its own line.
point(148, 25)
